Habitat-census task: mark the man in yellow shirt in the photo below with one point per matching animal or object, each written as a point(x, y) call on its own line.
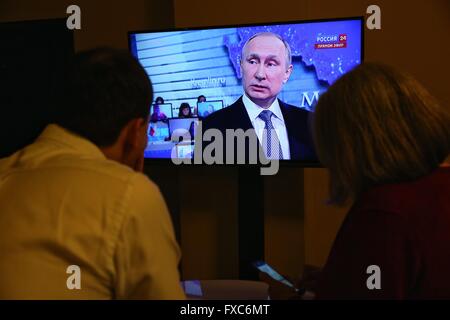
point(78, 219)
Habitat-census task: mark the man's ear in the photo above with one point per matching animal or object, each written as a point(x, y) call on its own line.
point(288, 73)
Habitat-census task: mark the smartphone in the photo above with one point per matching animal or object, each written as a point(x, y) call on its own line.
point(264, 267)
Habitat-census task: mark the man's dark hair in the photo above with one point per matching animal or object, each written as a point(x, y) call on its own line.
point(103, 89)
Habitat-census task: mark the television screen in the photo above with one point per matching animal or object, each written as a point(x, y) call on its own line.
point(171, 137)
point(282, 68)
point(204, 109)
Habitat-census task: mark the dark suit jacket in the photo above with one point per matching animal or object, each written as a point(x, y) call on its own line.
point(296, 119)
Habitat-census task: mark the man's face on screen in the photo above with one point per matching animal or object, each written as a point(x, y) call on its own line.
point(264, 69)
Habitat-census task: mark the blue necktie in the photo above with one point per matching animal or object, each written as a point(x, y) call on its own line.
point(270, 138)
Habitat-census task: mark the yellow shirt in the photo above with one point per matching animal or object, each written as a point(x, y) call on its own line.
point(63, 203)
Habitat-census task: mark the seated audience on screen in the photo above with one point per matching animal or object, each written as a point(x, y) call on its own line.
point(385, 141)
point(78, 218)
point(185, 111)
point(201, 98)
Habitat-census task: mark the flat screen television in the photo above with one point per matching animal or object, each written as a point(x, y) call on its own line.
point(184, 64)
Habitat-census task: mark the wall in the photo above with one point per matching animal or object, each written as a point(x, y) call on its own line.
point(302, 228)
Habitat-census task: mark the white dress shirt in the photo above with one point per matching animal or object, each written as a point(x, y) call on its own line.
point(253, 111)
